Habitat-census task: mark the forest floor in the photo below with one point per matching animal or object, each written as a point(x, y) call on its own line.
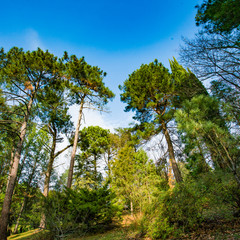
point(216, 230)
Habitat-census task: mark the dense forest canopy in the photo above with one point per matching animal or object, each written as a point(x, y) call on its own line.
point(195, 178)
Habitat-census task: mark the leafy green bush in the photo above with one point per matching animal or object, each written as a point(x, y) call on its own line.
point(79, 210)
point(209, 196)
point(176, 211)
point(220, 194)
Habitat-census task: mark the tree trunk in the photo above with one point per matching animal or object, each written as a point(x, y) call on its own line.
point(49, 172)
point(95, 167)
point(204, 166)
point(131, 206)
point(170, 176)
point(13, 175)
point(70, 173)
point(176, 171)
point(20, 214)
point(25, 197)
point(21, 167)
point(109, 167)
point(11, 162)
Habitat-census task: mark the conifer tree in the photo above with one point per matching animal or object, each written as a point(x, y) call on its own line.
point(205, 127)
point(56, 122)
point(134, 177)
point(219, 15)
point(23, 76)
point(86, 88)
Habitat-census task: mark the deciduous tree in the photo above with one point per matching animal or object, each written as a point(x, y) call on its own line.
point(94, 143)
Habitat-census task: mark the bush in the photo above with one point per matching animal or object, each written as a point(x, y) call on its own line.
point(81, 210)
point(175, 212)
point(209, 196)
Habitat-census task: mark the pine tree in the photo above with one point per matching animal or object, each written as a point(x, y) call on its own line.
point(23, 76)
point(86, 88)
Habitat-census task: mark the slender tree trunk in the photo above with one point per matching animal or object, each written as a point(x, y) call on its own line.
point(21, 167)
point(11, 163)
point(170, 176)
point(131, 206)
point(20, 214)
point(70, 173)
point(176, 171)
point(25, 197)
point(109, 167)
point(204, 165)
point(95, 168)
point(13, 175)
point(4, 171)
point(49, 172)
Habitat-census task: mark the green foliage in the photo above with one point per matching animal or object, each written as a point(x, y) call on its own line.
point(229, 102)
point(154, 93)
point(94, 143)
point(176, 211)
point(30, 217)
point(134, 178)
point(208, 197)
point(94, 140)
point(200, 121)
point(79, 210)
point(219, 15)
point(219, 194)
point(85, 80)
point(148, 92)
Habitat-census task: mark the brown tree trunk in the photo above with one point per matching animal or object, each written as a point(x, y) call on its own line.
point(13, 175)
point(176, 171)
point(70, 173)
point(11, 162)
point(49, 172)
point(25, 197)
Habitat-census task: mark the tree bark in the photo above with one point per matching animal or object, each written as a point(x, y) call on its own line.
point(176, 171)
point(13, 175)
point(70, 173)
point(49, 172)
point(25, 197)
point(11, 162)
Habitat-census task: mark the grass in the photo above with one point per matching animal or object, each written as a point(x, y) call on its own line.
point(121, 232)
point(215, 229)
point(30, 235)
point(116, 234)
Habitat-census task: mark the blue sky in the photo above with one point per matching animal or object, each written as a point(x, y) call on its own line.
point(118, 36)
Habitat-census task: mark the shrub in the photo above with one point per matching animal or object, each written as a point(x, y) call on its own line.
point(209, 196)
point(176, 211)
point(80, 210)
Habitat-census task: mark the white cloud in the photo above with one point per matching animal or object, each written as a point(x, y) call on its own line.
point(27, 39)
point(32, 40)
point(102, 119)
point(90, 118)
